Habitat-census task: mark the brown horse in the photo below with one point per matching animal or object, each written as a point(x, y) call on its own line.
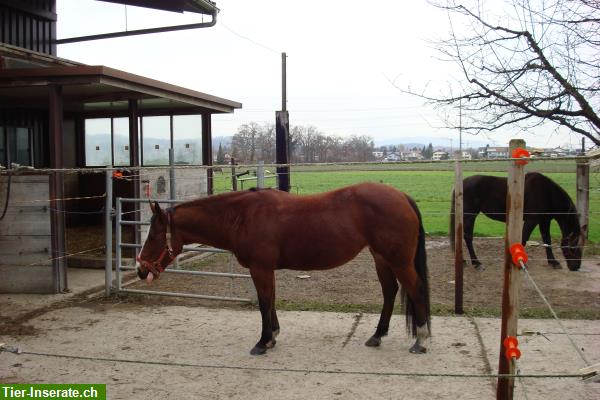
point(268, 230)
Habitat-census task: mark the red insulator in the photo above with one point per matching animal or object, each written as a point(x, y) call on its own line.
point(522, 154)
point(511, 348)
point(518, 254)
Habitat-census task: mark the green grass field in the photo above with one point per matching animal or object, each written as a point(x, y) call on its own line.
point(430, 184)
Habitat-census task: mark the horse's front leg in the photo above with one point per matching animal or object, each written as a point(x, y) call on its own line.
point(545, 231)
point(265, 289)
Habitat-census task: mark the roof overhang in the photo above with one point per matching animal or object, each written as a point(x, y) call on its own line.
point(196, 6)
point(102, 89)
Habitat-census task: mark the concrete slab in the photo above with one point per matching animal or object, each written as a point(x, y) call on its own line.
point(80, 281)
point(548, 352)
point(196, 353)
point(204, 353)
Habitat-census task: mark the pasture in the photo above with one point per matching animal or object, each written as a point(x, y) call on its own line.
point(430, 184)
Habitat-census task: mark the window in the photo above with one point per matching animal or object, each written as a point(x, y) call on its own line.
point(15, 146)
point(107, 140)
point(156, 134)
point(121, 141)
point(98, 142)
point(187, 139)
point(2, 151)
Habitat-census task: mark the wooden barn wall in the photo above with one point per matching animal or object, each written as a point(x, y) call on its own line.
point(30, 24)
point(25, 238)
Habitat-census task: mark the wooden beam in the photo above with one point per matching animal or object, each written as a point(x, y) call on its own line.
point(282, 146)
point(583, 194)
point(512, 276)
point(57, 216)
point(458, 239)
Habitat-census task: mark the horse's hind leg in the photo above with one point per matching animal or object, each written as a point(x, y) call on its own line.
point(389, 287)
point(416, 304)
point(469, 226)
point(274, 319)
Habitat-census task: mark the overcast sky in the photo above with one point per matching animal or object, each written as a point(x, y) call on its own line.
point(342, 55)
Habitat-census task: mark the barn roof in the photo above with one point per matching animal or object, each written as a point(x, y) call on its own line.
point(100, 88)
point(25, 76)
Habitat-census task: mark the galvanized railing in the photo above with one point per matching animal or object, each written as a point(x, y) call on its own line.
point(119, 267)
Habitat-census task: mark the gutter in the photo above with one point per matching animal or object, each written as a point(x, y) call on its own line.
point(136, 32)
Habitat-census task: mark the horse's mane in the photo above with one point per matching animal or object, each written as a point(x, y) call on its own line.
point(221, 198)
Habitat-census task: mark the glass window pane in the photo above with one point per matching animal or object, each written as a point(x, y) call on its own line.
point(121, 141)
point(21, 146)
point(2, 152)
point(157, 140)
point(97, 142)
point(187, 139)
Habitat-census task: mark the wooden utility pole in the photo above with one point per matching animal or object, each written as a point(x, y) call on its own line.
point(458, 226)
point(282, 133)
point(512, 276)
point(583, 194)
point(458, 239)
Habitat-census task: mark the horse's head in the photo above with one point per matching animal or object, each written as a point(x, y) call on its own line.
point(157, 252)
point(572, 248)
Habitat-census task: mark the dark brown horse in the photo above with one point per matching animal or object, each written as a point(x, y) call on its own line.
point(268, 230)
point(544, 201)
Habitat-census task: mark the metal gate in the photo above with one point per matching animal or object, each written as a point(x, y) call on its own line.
point(119, 267)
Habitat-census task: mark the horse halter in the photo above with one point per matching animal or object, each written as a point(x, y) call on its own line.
point(156, 266)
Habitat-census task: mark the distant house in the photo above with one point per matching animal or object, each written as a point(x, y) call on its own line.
point(557, 152)
point(412, 156)
point(465, 155)
point(378, 154)
point(493, 152)
point(393, 157)
point(439, 155)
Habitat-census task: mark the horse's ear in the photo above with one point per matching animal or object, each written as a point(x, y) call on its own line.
point(155, 207)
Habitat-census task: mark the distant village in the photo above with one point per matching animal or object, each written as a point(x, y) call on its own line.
point(398, 153)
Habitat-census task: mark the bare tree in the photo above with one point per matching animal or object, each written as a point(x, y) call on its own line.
point(244, 142)
point(523, 63)
point(266, 143)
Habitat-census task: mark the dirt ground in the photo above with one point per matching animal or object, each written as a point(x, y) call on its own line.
point(354, 286)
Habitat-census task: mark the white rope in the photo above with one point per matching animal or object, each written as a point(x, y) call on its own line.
point(524, 267)
point(17, 350)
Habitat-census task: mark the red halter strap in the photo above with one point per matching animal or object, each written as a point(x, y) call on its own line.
point(156, 266)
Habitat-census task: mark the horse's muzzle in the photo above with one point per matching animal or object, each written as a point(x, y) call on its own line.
point(142, 274)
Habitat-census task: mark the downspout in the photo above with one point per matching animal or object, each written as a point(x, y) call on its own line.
point(136, 32)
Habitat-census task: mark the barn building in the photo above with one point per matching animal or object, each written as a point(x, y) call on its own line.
point(60, 114)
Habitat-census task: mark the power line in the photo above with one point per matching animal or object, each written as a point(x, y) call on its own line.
point(254, 42)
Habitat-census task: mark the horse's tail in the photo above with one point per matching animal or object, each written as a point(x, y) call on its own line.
point(421, 269)
point(451, 233)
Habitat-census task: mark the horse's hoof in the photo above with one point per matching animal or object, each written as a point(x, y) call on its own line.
point(418, 349)
point(373, 342)
point(479, 267)
point(261, 349)
point(555, 265)
point(258, 350)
